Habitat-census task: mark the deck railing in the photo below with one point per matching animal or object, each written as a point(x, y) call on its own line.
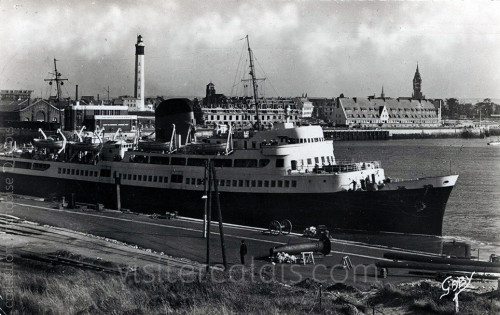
point(338, 167)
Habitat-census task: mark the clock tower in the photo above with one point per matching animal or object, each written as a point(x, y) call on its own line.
point(417, 86)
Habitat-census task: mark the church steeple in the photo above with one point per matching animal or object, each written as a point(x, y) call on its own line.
point(417, 85)
point(382, 95)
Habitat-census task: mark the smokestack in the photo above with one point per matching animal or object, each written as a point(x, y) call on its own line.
point(76, 93)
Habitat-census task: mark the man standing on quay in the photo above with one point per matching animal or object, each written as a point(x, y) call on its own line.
point(243, 251)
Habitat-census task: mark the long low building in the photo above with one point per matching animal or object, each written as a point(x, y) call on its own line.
point(270, 111)
point(386, 112)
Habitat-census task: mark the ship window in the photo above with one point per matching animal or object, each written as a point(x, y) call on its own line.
point(150, 178)
point(199, 181)
point(222, 162)
point(234, 183)
point(178, 161)
point(139, 158)
point(323, 159)
point(59, 170)
point(129, 176)
point(287, 183)
point(266, 183)
point(196, 162)
point(259, 183)
point(245, 163)
point(87, 173)
point(263, 162)
point(240, 183)
point(135, 177)
point(78, 172)
point(273, 183)
point(38, 166)
point(159, 160)
point(309, 161)
point(280, 162)
point(176, 178)
point(316, 159)
point(160, 179)
point(165, 179)
point(280, 183)
point(155, 179)
point(253, 183)
point(105, 173)
point(294, 183)
point(64, 171)
point(222, 182)
point(193, 181)
point(247, 183)
point(187, 181)
point(139, 177)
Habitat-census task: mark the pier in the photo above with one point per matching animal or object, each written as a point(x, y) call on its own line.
point(349, 135)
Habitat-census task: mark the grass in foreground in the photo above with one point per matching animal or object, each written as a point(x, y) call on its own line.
point(41, 288)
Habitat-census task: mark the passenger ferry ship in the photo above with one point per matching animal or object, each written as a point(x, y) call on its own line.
point(287, 172)
point(284, 173)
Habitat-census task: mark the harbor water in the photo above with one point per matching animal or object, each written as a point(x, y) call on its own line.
point(473, 210)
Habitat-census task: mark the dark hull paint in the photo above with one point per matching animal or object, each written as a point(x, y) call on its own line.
point(390, 211)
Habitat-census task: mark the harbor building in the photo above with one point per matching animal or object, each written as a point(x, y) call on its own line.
point(402, 112)
point(386, 112)
point(15, 95)
point(109, 117)
point(241, 112)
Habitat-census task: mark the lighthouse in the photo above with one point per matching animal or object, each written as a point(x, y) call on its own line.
point(139, 74)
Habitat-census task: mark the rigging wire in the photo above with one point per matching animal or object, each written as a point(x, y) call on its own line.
point(267, 77)
point(237, 70)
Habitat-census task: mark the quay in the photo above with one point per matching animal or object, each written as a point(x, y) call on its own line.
point(183, 238)
point(347, 135)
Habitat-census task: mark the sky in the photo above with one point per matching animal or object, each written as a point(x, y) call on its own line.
point(322, 48)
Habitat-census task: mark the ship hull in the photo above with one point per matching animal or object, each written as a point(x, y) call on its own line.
point(416, 211)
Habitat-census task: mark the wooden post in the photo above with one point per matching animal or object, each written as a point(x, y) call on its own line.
point(209, 217)
point(320, 296)
point(118, 197)
point(205, 182)
point(219, 214)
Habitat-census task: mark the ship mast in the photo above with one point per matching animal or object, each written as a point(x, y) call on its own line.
point(254, 85)
point(59, 82)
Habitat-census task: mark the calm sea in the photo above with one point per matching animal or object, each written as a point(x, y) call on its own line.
point(473, 210)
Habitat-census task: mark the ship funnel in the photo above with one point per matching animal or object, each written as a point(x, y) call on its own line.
point(323, 246)
point(178, 112)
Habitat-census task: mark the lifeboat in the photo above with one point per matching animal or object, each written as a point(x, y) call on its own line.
point(206, 148)
point(49, 143)
point(85, 146)
point(154, 146)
